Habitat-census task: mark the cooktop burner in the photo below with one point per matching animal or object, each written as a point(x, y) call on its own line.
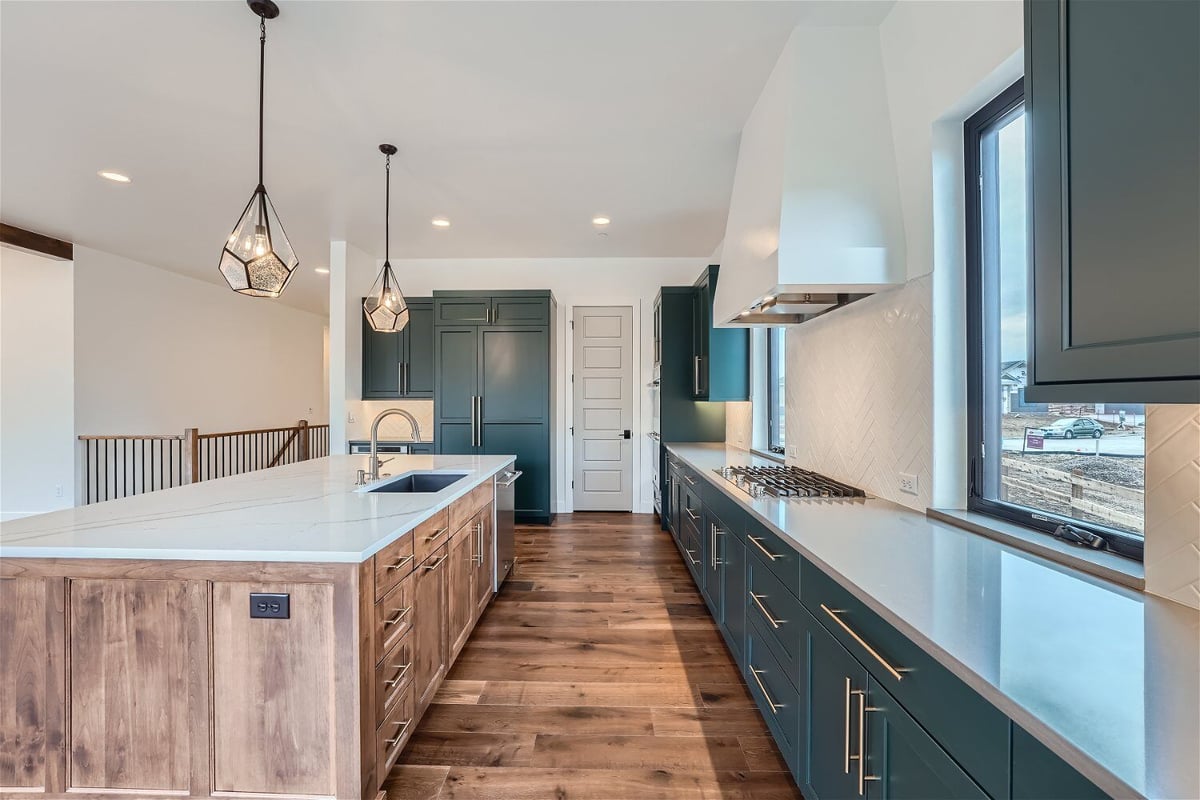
point(786, 482)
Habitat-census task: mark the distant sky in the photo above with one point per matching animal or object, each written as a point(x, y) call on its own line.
point(1013, 279)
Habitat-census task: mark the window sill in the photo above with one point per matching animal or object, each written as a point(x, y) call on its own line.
point(1108, 566)
point(767, 454)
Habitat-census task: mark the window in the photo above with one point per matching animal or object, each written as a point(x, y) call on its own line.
point(776, 396)
point(1073, 470)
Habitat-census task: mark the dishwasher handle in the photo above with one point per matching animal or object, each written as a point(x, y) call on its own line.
point(509, 478)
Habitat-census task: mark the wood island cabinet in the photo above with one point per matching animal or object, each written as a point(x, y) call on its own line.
point(151, 677)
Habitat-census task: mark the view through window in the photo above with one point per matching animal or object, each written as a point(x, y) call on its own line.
point(776, 396)
point(1037, 463)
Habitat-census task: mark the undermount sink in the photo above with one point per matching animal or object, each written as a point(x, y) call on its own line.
point(417, 483)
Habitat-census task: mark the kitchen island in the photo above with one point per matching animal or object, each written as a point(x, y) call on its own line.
point(277, 633)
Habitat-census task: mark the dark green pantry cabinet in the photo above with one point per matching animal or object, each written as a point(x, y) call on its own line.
point(492, 385)
point(1113, 101)
point(400, 365)
point(720, 365)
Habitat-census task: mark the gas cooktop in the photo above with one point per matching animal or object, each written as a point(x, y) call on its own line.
point(791, 482)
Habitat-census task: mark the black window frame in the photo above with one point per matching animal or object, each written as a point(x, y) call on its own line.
point(774, 444)
point(995, 113)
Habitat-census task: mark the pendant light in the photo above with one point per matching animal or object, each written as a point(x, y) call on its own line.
point(257, 259)
point(384, 305)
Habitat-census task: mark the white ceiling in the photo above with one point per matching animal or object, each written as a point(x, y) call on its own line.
point(519, 121)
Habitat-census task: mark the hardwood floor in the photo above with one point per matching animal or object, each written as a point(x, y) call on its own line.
point(597, 674)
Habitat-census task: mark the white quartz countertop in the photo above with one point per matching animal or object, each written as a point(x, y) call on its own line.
point(309, 511)
point(1106, 677)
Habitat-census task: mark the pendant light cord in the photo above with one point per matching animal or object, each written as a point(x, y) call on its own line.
point(387, 210)
point(262, 67)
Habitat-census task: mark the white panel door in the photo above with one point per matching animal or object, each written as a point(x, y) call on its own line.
point(603, 389)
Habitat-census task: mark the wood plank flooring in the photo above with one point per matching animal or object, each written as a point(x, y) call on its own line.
point(597, 674)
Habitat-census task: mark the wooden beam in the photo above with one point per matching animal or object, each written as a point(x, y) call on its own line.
point(36, 242)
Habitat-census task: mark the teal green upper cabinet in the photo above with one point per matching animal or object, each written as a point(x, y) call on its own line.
point(720, 365)
point(508, 307)
point(1113, 95)
point(1038, 774)
point(400, 365)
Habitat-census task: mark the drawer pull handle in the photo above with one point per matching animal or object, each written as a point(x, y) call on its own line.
point(435, 534)
point(403, 728)
point(833, 613)
point(435, 565)
point(758, 542)
point(401, 614)
point(758, 601)
point(691, 513)
point(400, 562)
point(774, 706)
point(400, 675)
point(691, 481)
point(690, 558)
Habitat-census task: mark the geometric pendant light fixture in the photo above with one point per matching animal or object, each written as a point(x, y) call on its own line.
point(257, 259)
point(384, 305)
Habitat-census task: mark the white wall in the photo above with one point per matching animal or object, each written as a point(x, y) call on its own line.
point(157, 352)
point(37, 396)
point(589, 281)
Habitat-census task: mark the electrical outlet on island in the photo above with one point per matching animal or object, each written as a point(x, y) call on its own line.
point(908, 483)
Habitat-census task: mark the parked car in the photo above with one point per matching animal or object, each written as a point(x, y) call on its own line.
point(1071, 427)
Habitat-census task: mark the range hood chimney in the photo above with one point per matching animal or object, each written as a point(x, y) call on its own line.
point(814, 219)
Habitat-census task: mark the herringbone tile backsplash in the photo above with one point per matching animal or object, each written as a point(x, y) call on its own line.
point(1173, 502)
point(859, 393)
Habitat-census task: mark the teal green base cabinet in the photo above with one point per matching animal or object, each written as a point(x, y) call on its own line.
point(857, 709)
point(400, 365)
point(492, 385)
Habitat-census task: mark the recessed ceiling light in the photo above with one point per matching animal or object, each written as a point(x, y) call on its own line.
point(115, 177)
point(322, 270)
point(441, 222)
point(600, 220)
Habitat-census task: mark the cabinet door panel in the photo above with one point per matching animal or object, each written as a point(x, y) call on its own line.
point(273, 726)
point(832, 731)
point(468, 310)
point(530, 443)
point(419, 351)
point(430, 627)
point(382, 354)
point(1095, 238)
point(715, 534)
point(454, 438)
point(29, 662)
point(515, 374)
point(460, 594)
point(132, 707)
point(734, 575)
point(485, 563)
point(457, 373)
point(1038, 774)
point(520, 310)
point(902, 761)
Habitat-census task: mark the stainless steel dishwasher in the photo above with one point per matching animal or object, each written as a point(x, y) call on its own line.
point(506, 548)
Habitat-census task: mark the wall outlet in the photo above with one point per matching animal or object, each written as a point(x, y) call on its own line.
point(908, 483)
point(350, 417)
point(269, 605)
point(58, 490)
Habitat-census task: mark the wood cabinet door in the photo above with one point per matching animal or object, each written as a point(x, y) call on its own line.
point(31, 663)
point(460, 594)
point(430, 627)
point(485, 560)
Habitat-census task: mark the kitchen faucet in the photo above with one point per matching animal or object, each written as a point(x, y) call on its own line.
point(373, 471)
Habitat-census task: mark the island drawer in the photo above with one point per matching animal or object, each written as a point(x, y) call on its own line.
point(463, 510)
point(430, 535)
point(393, 617)
point(968, 727)
point(393, 563)
point(395, 731)
point(393, 676)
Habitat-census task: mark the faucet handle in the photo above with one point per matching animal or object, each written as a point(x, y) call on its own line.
point(379, 462)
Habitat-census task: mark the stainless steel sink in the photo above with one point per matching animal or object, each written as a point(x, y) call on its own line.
point(417, 483)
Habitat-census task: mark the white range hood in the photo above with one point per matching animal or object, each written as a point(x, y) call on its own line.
point(814, 218)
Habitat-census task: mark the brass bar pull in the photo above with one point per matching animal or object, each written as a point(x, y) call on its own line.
point(435, 565)
point(758, 542)
point(846, 758)
point(833, 613)
point(696, 375)
point(690, 557)
point(774, 706)
point(758, 601)
point(400, 675)
point(435, 534)
point(479, 540)
point(401, 614)
point(403, 729)
point(862, 736)
point(400, 562)
point(690, 479)
point(691, 513)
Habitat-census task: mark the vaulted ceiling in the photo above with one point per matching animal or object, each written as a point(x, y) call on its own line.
point(518, 121)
